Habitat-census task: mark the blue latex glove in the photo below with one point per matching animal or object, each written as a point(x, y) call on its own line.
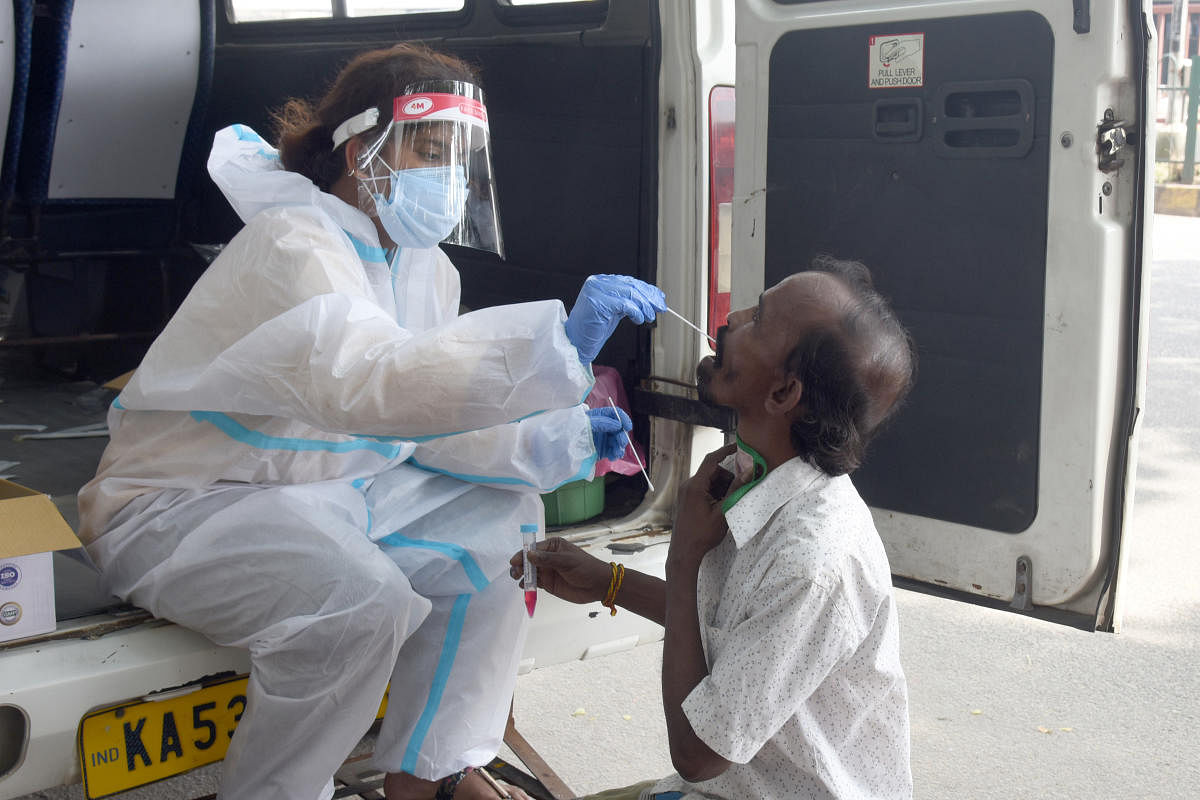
point(610, 431)
point(602, 302)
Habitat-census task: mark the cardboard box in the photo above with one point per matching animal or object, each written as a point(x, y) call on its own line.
point(31, 529)
point(118, 383)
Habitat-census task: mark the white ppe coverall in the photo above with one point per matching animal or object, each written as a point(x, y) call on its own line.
point(321, 461)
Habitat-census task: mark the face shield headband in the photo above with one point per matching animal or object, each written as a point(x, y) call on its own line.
point(428, 176)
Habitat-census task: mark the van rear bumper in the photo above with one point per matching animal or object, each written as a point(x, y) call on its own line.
point(96, 661)
point(52, 681)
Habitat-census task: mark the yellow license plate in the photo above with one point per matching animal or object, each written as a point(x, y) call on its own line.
point(138, 742)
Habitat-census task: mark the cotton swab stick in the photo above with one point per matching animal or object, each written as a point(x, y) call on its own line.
point(694, 327)
point(500, 791)
point(633, 450)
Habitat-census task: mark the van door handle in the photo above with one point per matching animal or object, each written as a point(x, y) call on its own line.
point(984, 119)
point(898, 119)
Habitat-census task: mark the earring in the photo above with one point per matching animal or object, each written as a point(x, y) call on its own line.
point(349, 173)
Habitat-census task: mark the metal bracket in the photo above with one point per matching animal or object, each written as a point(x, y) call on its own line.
point(682, 409)
point(1023, 590)
point(1112, 137)
point(1082, 22)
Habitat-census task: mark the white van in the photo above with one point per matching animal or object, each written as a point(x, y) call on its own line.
point(985, 158)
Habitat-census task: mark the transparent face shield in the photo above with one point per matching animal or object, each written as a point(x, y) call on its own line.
point(428, 176)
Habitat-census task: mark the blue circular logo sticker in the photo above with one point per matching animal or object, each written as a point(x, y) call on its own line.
point(10, 576)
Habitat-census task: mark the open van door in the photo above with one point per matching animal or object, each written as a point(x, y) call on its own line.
point(987, 160)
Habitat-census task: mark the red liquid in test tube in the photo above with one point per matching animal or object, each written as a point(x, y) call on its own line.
point(528, 542)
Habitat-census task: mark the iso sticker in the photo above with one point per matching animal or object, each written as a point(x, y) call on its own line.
point(10, 614)
point(896, 61)
point(10, 576)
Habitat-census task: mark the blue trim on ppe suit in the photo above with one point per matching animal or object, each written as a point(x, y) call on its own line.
point(366, 251)
point(456, 551)
point(238, 432)
point(585, 470)
point(454, 630)
point(246, 134)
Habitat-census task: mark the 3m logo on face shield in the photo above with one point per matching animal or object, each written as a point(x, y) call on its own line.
point(440, 106)
point(417, 106)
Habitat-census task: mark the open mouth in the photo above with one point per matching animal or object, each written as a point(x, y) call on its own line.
point(719, 350)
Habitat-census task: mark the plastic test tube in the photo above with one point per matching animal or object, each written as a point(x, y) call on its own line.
point(528, 542)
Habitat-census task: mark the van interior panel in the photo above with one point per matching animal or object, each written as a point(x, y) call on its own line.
point(941, 190)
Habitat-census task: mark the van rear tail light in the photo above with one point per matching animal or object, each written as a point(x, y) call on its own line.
point(720, 203)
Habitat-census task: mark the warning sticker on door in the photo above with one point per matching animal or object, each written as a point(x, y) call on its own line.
point(896, 60)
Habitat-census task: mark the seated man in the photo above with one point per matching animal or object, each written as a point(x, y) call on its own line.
point(781, 665)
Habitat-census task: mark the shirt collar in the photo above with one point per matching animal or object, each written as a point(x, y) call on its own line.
point(754, 510)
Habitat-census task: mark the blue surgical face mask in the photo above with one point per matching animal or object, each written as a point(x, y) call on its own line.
point(425, 206)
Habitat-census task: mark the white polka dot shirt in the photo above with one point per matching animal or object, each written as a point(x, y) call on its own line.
point(805, 693)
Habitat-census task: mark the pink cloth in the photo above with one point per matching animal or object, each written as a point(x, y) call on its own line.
point(608, 384)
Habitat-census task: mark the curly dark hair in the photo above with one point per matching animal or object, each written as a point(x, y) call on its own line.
point(855, 373)
point(305, 130)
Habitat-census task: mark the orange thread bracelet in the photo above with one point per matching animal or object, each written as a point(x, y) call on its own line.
point(612, 582)
point(614, 585)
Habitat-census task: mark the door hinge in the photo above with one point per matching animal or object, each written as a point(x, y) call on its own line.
point(1082, 22)
point(1023, 590)
point(1112, 137)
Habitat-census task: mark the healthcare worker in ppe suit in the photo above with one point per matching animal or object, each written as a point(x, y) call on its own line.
point(321, 461)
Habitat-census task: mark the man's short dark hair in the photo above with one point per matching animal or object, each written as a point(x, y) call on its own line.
point(855, 373)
